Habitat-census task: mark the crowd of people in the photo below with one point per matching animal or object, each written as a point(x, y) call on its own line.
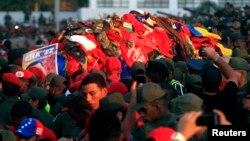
point(136, 77)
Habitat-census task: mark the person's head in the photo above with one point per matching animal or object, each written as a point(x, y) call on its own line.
point(151, 102)
point(104, 127)
point(39, 74)
point(247, 10)
point(48, 79)
point(7, 135)
point(114, 103)
point(94, 88)
point(31, 129)
point(238, 40)
point(138, 71)
point(236, 24)
point(157, 71)
point(15, 56)
point(80, 110)
point(19, 111)
point(11, 84)
point(27, 78)
point(194, 84)
point(36, 97)
point(112, 68)
point(241, 66)
point(6, 44)
point(211, 78)
point(58, 85)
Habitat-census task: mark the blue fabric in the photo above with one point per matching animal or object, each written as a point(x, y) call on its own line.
point(194, 31)
point(27, 127)
point(61, 62)
point(195, 64)
point(126, 71)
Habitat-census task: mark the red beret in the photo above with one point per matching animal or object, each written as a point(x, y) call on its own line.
point(113, 64)
point(117, 87)
point(11, 78)
point(23, 74)
point(161, 134)
point(37, 72)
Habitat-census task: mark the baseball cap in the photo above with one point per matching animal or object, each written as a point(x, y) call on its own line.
point(138, 65)
point(23, 74)
point(211, 77)
point(36, 92)
point(11, 78)
point(161, 134)
point(37, 72)
point(112, 64)
point(148, 92)
point(186, 103)
point(112, 102)
point(237, 36)
point(30, 127)
point(238, 63)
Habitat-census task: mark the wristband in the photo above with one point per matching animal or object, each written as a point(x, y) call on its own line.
point(177, 136)
point(217, 58)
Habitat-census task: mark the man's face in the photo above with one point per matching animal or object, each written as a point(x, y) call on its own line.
point(93, 94)
point(240, 43)
point(148, 113)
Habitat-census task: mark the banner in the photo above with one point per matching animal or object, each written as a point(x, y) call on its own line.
point(44, 58)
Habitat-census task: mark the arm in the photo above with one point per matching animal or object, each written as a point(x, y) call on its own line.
point(130, 119)
point(227, 71)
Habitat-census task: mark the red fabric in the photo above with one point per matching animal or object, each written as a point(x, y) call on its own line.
point(112, 64)
point(161, 134)
point(114, 78)
point(11, 78)
point(222, 85)
point(117, 87)
point(130, 55)
point(163, 43)
point(48, 134)
point(23, 74)
point(137, 26)
point(37, 72)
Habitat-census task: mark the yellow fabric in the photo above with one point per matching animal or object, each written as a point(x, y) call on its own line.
point(224, 51)
point(205, 33)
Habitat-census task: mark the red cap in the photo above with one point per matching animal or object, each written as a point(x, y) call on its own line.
point(161, 134)
point(113, 64)
point(117, 87)
point(23, 74)
point(11, 78)
point(37, 72)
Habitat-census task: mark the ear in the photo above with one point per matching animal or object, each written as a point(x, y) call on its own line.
point(119, 115)
point(104, 91)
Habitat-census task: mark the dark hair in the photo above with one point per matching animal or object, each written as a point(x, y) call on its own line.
point(211, 78)
point(21, 109)
point(80, 111)
point(94, 78)
point(157, 72)
point(10, 89)
point(104, 127)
